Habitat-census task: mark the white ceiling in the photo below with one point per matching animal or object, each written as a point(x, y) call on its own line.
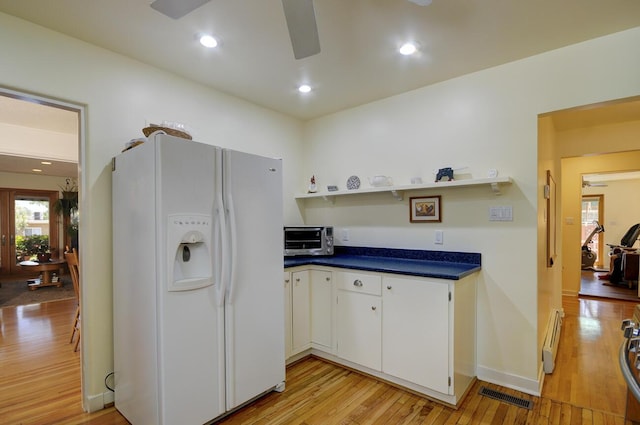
point(23, 113)
point(24, 165)
point(358, 62)
point(609, 177)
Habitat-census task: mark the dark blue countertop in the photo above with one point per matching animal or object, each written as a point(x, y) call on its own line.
point(436, 264)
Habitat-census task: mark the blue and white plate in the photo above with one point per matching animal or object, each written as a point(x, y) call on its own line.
point(353, 183)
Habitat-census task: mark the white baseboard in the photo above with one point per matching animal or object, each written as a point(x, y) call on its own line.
point(109, 398)
point(96, 402)
point(515, 382)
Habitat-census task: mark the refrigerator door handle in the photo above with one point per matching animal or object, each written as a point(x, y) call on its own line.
point(220, 281)
point(233, 247)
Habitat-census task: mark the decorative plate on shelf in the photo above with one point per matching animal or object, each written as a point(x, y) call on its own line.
point(353, 183)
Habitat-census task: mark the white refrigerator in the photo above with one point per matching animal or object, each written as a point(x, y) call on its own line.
point(197, 294)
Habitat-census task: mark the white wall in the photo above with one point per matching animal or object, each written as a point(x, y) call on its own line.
point(121, 96)
point(484, 120)
point(31, 181)
point(38, 143)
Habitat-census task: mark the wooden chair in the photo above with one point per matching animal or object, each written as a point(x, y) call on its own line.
point(73, 263)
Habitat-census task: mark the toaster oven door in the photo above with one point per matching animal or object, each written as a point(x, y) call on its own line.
point(301, 241)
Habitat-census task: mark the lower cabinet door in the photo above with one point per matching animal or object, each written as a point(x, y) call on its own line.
point(359, 328)
point(288, 315)
point(322, 302)
point(300, 311)
point(415, 332)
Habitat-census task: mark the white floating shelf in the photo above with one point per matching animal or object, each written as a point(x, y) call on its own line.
point(398, 191)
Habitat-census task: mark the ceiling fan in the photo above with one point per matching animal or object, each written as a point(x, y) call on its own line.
point(299, 14)
point(586, 183)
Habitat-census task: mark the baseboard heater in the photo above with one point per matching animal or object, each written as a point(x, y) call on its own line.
point(551, 340)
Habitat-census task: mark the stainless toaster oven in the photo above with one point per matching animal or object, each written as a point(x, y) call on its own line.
point(308, 240)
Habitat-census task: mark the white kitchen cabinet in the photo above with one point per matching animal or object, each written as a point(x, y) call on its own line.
point(359, 319)
point(428, 332)
point(322, 316)
point(416, 315)
point(416, 332)
point(300, 311)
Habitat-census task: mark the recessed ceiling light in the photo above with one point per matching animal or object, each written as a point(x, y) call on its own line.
point(36, 170)
point(408, 49)
point(208, 41)
point(45, 162)
point(304, 88)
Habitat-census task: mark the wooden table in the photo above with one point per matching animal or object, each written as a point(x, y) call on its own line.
point(45, 268)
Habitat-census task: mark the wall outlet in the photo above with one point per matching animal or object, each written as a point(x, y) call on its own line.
point(345, 235)
point(438, 238)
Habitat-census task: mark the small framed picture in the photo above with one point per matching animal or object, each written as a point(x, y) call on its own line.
point(425, 209)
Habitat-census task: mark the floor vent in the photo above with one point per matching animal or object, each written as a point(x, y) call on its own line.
point(497, 395)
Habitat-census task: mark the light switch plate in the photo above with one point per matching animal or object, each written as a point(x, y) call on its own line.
point(502, 213)
point(438, 237)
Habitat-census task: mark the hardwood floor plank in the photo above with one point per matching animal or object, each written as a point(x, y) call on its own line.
point(544, 409)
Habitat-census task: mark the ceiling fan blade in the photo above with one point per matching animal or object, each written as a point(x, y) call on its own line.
point(303, 31)
point(586, 183)
point(176, 8)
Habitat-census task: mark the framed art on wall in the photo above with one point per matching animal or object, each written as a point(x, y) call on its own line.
point(425, 209)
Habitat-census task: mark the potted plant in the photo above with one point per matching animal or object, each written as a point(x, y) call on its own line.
point(22, 250)
point(42, 251)
point(67, 206)
point(36, 245)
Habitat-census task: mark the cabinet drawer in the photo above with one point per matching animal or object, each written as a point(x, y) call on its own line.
point(360, 282)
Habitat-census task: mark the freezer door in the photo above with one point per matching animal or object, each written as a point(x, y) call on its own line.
point(190, 322)
point(254, 311)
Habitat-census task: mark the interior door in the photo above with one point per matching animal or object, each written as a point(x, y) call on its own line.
point(23, 213)
point(5, 251)
point(592, 211)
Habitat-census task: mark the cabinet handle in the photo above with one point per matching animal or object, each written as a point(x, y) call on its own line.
point(373, 307)
point(286, 281)
point(388, 286)
point(297, 279)
point(328, 279)
point(357, 283)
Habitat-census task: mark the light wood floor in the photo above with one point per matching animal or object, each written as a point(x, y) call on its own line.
point(592, 286)
point(40, 380)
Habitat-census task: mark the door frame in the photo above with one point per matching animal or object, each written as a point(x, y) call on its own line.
point(84, 231)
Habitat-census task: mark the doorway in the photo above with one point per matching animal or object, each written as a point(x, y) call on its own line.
point(608, 198)
point(43, 152)
point(592, 219)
